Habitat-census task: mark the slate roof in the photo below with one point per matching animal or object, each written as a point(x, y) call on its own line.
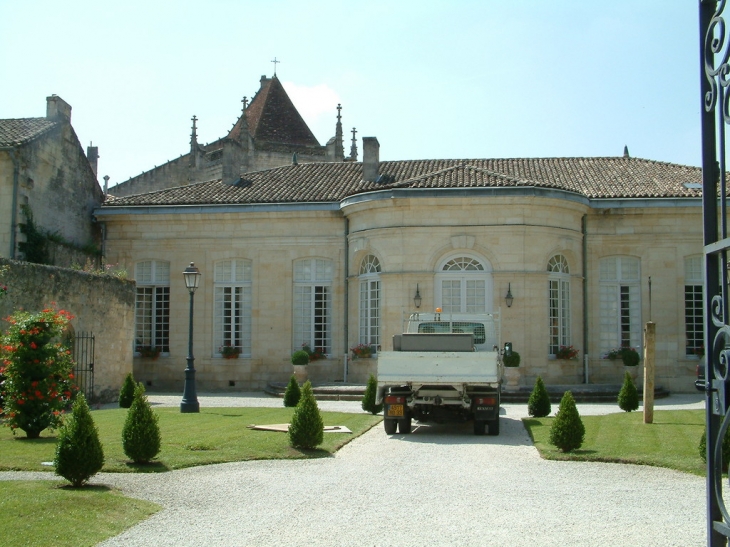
point(22, 130)
point(593, 178)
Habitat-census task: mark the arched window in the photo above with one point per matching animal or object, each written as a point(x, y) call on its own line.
point(559, 301)
point(370, 301)
point(313, 304)
point(620, 303)
point(464, 285)
point(232, 306)
point(152, 306)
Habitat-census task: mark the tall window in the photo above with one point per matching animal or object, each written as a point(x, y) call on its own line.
point(370, 301)
point(620, 303)
point(559, 299)
point(152, 306)
point(463, 283)
point(313, 304)
point(693, 314)
point(232, 306)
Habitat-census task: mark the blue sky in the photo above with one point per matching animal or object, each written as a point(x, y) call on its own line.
point(429, 79)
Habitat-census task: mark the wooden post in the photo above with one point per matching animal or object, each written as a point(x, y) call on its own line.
point(649, 350)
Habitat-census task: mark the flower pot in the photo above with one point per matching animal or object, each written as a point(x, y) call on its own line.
point(633, 372)
point(300, 373)
point(512, 375)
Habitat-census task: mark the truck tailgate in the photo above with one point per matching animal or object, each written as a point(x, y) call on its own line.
point(400, 367)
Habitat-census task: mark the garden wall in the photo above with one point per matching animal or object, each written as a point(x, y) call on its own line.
point(101, 304)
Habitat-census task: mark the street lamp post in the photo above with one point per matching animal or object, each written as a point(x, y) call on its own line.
point(190, 397)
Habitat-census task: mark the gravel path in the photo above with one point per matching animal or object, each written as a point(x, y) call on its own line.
point(439, 485)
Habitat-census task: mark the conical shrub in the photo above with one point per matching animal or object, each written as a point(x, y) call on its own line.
point(79, 454)
point(141, 438)
point(293, 393)
point(628, 397)
point(126, 394)
point(307, 428)
point(368, 398)
point(539, 403)
point(567, 430)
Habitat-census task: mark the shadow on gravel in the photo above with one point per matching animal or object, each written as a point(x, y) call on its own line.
point(512, 433)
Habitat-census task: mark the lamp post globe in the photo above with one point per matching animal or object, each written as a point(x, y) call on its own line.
point(190, 397)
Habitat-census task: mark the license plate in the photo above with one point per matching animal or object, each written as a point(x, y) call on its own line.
point(395, 410)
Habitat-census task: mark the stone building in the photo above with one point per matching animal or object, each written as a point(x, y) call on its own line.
point(332, 254)
point(45, 174)
point(268, 133)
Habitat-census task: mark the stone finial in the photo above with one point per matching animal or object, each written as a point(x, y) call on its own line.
point(353, 146)
point(626, 152)
point(339, 144)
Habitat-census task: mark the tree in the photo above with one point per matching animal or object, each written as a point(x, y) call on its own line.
point(38, 371)
point(539, 403)
point(141, 438)
point(79, 454)
point(292, 393)
point(628, 397)
point(567, 430)
point(307, 428)
point(126, 394)
point(368, 398)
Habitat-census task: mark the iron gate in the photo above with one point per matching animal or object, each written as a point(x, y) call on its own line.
point(715, 80)
point(83, 355)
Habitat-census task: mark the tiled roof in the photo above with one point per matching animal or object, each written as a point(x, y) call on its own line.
point(21, 130)
point(593, 178)
point(273, 118)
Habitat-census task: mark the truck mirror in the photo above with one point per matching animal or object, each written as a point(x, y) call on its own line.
point(508, 348)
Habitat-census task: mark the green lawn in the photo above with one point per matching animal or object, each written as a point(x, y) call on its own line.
point(671, 441)
point(52, 513)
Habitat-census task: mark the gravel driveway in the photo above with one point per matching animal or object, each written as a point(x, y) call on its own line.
point(437, 486)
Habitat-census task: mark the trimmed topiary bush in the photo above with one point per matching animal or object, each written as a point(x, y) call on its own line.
point(628, 397)
point(567, 431)
point(368, 398)
point(292, 393)
point(511, 360)
point(539, 403)
point(141, 438)
point(300, 357)
point(126, 394)
point(79, 454)
point(307, 428)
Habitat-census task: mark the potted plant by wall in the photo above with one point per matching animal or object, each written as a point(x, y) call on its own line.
point(511, 363)
point(149, 352)
point(362, 351)
point(229, 352)
point(300, 360)
point(566, 352)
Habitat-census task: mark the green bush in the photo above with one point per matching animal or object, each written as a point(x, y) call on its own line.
point(567, 430)
point(539, 403)
point(300, 357)
point(628, 397)
point(511, 360)
point(79, 454)
point(307, 428)
point(141, 438)
point(126, 394)
point(368, 398)
point(725, 449)
point(292, 393)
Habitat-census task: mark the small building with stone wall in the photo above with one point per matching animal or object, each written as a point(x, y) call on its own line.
point(47, 183)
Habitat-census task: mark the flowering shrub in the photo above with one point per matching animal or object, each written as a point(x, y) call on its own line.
point(229, 352)
point(362, 351)
point(38, 372)
point(628, 355)
point(566, 352)
point(150, 352)
point(314, 355)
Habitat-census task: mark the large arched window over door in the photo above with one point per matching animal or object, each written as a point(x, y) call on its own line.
point(370, 301)
point(464, 285)
point(559, 300)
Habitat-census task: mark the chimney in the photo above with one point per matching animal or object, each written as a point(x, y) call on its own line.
point(370, 158)
point(231, 167)
point(92, 153)
point(57, 109)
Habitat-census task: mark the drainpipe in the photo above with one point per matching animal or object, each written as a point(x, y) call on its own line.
point(584, 230)
point(14, 207)
point(346, 322)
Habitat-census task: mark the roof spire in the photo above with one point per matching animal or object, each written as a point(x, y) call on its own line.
point(626, 152)
point(339, 146)
point(275, 63)
point(353, 146)
point(244, 101)
point(194, 134)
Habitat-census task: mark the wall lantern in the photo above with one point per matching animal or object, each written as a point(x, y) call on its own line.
point(509, 298)
point(417, 298)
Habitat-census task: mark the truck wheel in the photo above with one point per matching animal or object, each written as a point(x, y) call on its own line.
point(494, 427)
point(480, 427)
point(390, 426)
point(404, 425)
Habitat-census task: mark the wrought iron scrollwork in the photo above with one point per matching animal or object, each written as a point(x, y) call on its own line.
point(717, 70)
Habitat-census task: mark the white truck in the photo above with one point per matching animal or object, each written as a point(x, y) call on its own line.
point(443, 368)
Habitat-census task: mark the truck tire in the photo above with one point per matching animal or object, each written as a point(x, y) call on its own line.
point(493, 427)
point(480, 427)
point(404, 425)
point(390, 426)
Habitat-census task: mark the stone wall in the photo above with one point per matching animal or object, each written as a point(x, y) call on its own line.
point(101, 305)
